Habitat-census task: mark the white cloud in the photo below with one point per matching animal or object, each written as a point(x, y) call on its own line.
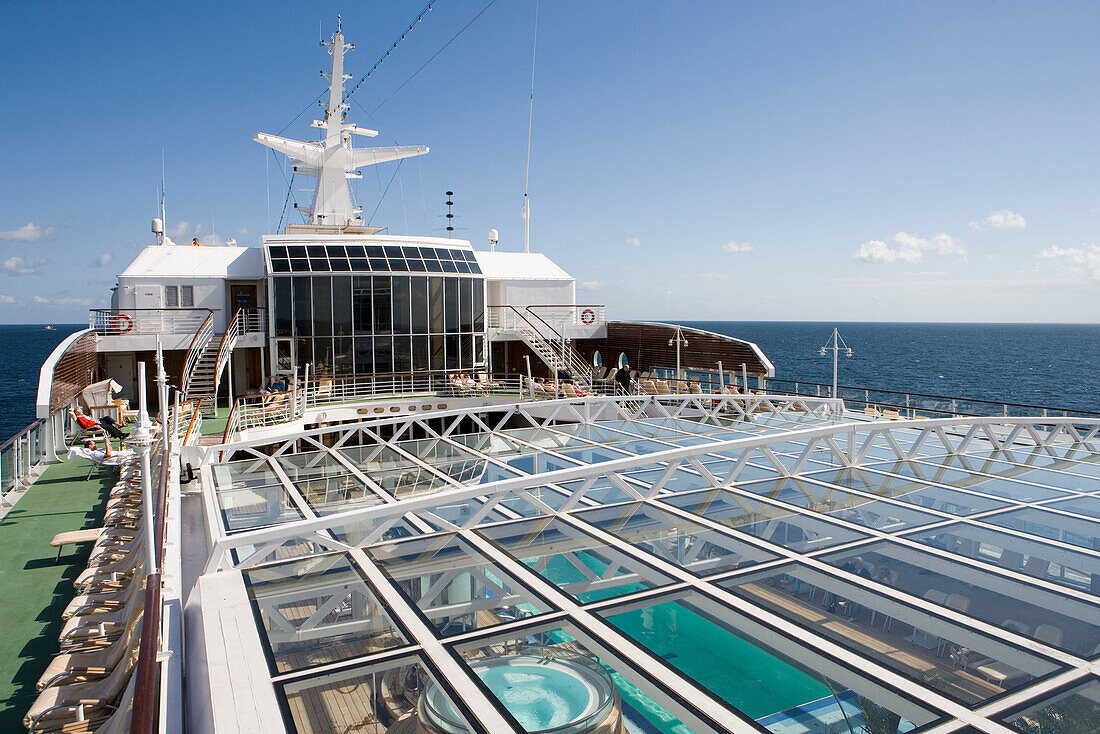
point(103, 259)
point(18, 266)
point(6, 299)
point(733, 246)
point(589, 285)
point(908, 248)
point(633, 242)
point(183, 232)
point(1001, 219)
point(710, 275)
point(29, 232)
point(1083, 260)
point(62, 301)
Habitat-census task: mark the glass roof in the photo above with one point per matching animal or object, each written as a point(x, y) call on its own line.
point(790, 571)
point(388, 258)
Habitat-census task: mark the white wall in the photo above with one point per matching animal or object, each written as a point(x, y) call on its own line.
point(521, 293)
point(136, 292)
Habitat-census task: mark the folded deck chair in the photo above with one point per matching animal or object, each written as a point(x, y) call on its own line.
point(69, 668)
point(96, 456)
point(82, 701)
point(99, 397)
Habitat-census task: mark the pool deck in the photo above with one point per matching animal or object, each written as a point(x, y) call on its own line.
point(35, 588)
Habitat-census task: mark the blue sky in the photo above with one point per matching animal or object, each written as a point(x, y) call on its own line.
point(730, 160)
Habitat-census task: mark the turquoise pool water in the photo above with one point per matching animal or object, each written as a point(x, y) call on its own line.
point(736, 670)
point(733, 668)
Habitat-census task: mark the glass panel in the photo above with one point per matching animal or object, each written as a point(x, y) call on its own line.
point(775, 524)
point(1076, 711)
point(342, 357)
point(912, 491)
point(575, 684)
point(479, 303)
point(341, 306)
point(420, 353)
point(402, 353)
point(450, 300)
point(283, 310)
point(1033, 558)
point(319, 610)
point(769, 677)
point(361, 296)
point(690, 546)
point(1020, 473)
point(574, 561)
point(435, 301)
point(255, 507)
point(884, 516)
point(457, 588)
point(383, 313)
point(303, 306)
point(1052, 525)
point(920, 646)
point(419, 301)
point(383, 355)
point(956, 478)
point(402, 311)
point(364, 356)
point(466, 304)
point(1053, 619)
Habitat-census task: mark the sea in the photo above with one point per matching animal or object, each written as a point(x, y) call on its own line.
point(1056, 365)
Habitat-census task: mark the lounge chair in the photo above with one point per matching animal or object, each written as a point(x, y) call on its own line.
point(487, 383)
point(99, 397)
point(662, 387)
point(1049, 634)
point(999, 673)
point(89, 702)
point(74, 537)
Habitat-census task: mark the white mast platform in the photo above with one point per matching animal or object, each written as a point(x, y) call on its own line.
point(333, 161)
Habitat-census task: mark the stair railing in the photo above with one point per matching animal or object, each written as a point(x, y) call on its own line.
point(198, 345)
point(576, 366)
point(225, 347)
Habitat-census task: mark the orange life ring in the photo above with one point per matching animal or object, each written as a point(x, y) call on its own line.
point(122, 323)
point(588, 316)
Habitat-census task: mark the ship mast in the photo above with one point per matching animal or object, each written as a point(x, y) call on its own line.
point(333, 161)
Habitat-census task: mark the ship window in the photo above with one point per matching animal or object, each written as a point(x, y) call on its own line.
point(417, 266)
point(187, 296)
point(356, 251)
point(433, 266)
point(299, 265)
point(280, 266)
point(296, 250)
point(277, 251)
point(475, 268)
point(597, 359)
point(392, 251)
point(463, 267)
point(316, 251)
point(379, 264)
point(398, 265)
point(410, 252)
point(360, 264)
point(171, 296)
point(374, 251)
point(448, 266)
point(622, 359)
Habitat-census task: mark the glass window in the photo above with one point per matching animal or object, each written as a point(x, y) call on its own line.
point(479, 303)
point(402, 311)
point(283, 309)
point(303, 306)
point(622, 359)
point(379, 264)
point(171, 296)
point(420, 353)
point(452, 351)
point(304, 354)
point(466, 304)
point(361, 296)
point(322, 306)
point(343, 364)
point(448, 266)
point(187, 296)
point(435, 305)
point(597, 359)
point(383, 312)
point(438, 360)
point(450, 300)
point(769, 677)
point(419, 303)
point(433, 266)
point(375, 251)
point(1076, 711)
point(402, 353)
point(397, 265)
point(383, 355)
point(364, 355)
point(288, 597)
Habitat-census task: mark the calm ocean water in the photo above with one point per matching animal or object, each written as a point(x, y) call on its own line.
point(1047, 364)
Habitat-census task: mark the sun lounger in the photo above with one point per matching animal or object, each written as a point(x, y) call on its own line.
point(999, 673)
point(70, 668)
point(90, 702)
point(74, 537)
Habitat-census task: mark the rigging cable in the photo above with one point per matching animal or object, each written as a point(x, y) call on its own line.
point(530, 119)
point(419, 17)
point(433, 56)
point(383, 196)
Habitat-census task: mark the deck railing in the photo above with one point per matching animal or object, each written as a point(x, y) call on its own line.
point(250, 321)
point(20, 454)
point(146, 321)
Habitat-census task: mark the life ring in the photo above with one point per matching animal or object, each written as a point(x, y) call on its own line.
point(122, 323)
point(588, 316)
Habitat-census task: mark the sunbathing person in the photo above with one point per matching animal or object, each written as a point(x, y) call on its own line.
point(104, 456)
point(107, 423)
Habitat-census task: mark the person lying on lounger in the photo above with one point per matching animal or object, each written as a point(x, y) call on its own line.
point(99, 456)
point(107, 423)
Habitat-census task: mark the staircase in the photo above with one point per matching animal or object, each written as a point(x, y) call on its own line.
point(556, 353)
point(206, 361)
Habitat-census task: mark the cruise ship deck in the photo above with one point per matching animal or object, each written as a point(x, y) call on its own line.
point(732, 563)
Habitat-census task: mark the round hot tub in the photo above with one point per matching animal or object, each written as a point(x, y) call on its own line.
point(545, 689)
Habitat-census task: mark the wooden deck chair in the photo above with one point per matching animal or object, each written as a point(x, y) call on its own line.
point(662, 387)
point(81, 667)
point(100, 400)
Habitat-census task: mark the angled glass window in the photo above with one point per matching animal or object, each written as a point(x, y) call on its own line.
point(319, 610)
point(454, 586)
point(572, 560)
point(1072, 711)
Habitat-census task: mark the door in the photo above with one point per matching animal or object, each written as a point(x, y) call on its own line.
point(121, 369)
point(241, 296)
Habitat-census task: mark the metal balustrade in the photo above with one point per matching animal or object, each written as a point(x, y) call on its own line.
point(146, 321)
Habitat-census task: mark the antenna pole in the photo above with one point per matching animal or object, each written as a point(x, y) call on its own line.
point(836, 354)
point(530, 119)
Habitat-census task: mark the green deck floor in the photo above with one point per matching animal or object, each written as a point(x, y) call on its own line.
point(215, 425)
point(34, 590)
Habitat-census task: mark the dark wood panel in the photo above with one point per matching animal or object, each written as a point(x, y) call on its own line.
point(77, 368)
point(646, 347)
